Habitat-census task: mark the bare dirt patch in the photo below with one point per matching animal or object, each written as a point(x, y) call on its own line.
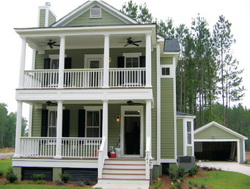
point(167, 182)
point(248, 157)
point(7, 150)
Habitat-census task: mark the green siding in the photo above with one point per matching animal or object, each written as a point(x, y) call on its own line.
point(167, 119)
point(113, 126)
point(52, 19)
point(166, 60)
point(36, 122)
point(179, 137)
point(85, 20)
point(42, 18)
point(78, 55)
point(154, 109)
point(189, 150)
point(214, 132)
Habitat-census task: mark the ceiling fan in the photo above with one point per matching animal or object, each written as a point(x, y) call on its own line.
point(130, 41)
point(52, 44)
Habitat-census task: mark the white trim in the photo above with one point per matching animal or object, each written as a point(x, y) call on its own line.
point(86, 6)
point(91, 15)
point(92, 108)
point(141, 115)
point(158, 71)
point(84, 95)
point(61, 163)
point(174, 105)
point(132, 54)
point(168, 160)
point(224, 140)
point(213, 123)
point(171, 71)
point(88, 57)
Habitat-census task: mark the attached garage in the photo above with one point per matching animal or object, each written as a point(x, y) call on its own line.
point(215, 142)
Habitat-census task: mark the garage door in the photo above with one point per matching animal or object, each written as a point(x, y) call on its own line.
point(216, 151)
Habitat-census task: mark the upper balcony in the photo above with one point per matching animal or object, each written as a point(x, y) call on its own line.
point(84, 78)
point(95, 53)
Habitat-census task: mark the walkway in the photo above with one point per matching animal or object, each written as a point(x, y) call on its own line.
point(227, 166)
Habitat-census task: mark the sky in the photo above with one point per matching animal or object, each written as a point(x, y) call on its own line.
point(24, 13)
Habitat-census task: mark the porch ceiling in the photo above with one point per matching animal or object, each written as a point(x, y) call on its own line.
point(84, 102)
point(86, 41)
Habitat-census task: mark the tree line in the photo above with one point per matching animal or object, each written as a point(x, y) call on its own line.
point(207, 73)
point(8, 127)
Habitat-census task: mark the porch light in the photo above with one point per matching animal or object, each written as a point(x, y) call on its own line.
point(118, 118)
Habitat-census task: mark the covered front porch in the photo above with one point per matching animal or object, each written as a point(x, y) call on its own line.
point(64, 130)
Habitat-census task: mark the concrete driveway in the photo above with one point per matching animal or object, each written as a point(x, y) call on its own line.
point(227, 166)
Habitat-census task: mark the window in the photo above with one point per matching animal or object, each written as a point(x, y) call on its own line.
point(165, 71)
point(95, 12)
point(189, 133)
point(52, 119)
point(93, 121)
point(54, 64)
point(132, 60)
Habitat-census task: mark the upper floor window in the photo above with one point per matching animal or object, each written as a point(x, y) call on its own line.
point(95, 12)
point(167, 71)
point(133, 60)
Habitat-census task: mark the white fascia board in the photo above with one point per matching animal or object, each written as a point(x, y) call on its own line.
point(96, 30)
point(185, 116)
point(216, 140)
point(213, 123)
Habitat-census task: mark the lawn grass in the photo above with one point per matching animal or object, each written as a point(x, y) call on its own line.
point(224, 180)
point(5, 164)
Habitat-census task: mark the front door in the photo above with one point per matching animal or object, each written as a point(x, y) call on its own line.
point(132, 135)
point(132, 131)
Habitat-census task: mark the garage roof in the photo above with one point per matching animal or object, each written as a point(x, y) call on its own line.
point(213, 123)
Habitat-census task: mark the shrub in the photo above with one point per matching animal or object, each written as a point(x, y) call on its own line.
point(65, 177)
point(192, 171)
point(10, 176)
point(158, 184)
point(38, 177)
point(39, 181)
point(1, 173)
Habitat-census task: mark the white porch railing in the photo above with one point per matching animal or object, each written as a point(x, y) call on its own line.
point(127, 77)
point(101, 157)
point(41, 78)
point(85, 78)
point(38, 147)
point(80, 147)
point(148, 157)
point(71, 147)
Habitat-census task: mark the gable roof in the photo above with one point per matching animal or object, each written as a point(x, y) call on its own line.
point(89, 4)
point(171, 45)
point(213, 123)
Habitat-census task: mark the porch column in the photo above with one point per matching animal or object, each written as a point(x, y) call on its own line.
point(61, 61)
point(148, 123)
point(18, 128)
point(106, 62)
point(22, 63)
point(59, 130)
point(148, 60)
point(105, 126)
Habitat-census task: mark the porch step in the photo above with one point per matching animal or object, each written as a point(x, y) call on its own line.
point(124, 171)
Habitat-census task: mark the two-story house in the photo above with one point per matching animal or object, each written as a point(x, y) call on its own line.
point(100, 83)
